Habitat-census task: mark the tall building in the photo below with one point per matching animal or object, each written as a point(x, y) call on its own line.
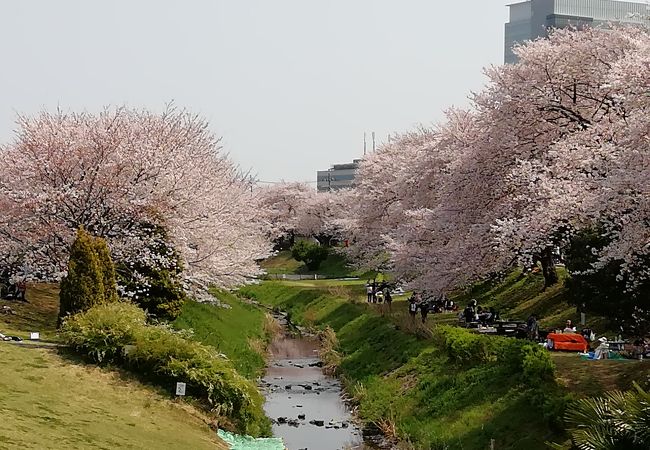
point(531, 19)
point(339, 176)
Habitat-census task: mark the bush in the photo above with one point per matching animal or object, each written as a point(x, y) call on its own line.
point(310, 253)
point(537, 365)
point(465, 347)
point(117, 333)
point(91, 276)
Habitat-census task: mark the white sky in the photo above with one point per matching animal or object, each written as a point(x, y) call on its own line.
point(291, 85)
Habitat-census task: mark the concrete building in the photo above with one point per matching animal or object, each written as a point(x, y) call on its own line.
point(531, 19)
point(339, 176)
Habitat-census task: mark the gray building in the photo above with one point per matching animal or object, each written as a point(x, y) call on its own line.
point(339, 176)
point(531, 19)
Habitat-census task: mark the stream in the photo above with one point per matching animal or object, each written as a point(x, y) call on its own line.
point(305, 405)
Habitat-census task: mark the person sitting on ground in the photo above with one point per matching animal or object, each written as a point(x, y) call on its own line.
point(569, 328)
point(602, 351)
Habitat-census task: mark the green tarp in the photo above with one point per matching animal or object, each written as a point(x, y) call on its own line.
point(238, 442)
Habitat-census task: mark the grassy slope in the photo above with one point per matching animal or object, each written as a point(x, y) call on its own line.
point(237, 332)
point(406, 380)
point(519, 296)
point(50, 401)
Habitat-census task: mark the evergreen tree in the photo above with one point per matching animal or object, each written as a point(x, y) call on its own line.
point(83, 286)
point(108, 270)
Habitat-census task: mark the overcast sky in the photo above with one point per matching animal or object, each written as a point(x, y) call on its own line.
point(291, 85)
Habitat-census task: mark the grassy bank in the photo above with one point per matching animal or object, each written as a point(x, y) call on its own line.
point(408, 385)
point(240, 332)
point(406, 382)
point(518, 296)
point(49, 400)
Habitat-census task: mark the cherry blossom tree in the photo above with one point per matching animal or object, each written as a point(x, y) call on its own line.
point(553, 144)
point(115, 171)
point(293, 210)
point(282, 206)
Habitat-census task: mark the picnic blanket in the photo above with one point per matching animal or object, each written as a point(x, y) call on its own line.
point(238, 442)
point(567, 341)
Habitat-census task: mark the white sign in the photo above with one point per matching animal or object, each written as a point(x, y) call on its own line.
point(34, 336)
point(180, 388)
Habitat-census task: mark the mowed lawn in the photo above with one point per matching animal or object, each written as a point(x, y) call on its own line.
point(51, 401)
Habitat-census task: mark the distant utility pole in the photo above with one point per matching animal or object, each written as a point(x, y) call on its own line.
point(364, 143)
point(373, 142)
point(329, 181)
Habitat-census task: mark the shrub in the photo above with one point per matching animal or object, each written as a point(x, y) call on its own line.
point(310, 253)
point(466, 347)
point(117, 333)
point(91, 276)
point(537, 365)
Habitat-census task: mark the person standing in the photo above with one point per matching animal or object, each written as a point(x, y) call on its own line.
point(413, 307)
point(369, 291)
point(424, 311)
point(388, 298)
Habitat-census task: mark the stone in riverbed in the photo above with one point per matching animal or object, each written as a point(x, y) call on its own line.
point(301, 416)
point(282, 420)
point(318, 423)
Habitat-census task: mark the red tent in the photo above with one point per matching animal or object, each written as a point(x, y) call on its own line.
point(569, 341)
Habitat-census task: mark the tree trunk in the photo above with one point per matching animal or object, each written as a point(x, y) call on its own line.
point(548, 267)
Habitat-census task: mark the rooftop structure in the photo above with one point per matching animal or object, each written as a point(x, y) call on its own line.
point(532, 19)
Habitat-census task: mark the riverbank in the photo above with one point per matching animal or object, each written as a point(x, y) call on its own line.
point(407, 382)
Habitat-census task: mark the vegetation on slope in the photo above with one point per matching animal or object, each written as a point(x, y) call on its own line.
point(412, 385)
point(518, 295)
point(50, 400)
point(118, 333)
point(240, 331)
point(406, 381)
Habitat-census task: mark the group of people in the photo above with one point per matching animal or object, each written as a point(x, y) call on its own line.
point(474, 313)
point(15, 291)
point(379, 292)
point(426, 305)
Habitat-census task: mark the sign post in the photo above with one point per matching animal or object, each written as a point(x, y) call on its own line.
point(180, 388)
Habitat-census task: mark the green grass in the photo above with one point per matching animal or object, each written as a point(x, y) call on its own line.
point(400, 378)
point(237, 332)
point(38, 314)
point(51, 401)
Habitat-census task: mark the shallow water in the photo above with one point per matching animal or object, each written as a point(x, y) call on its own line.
point(294, 388)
